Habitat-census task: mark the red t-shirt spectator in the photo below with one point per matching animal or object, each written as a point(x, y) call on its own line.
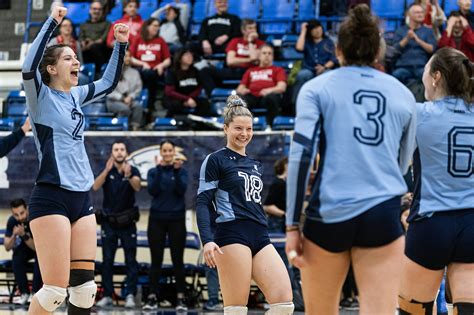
point(241, 48)
point(466, 44)
point(153, 52)
point(134, 24)
point(259, 78)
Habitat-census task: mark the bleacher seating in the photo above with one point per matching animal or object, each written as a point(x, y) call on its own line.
point(449, 6)
point(7, 124)
point(147, 7)
point(242, 8)
point(165, 124)
point(78, 12)
point(277, 16)
point(88, 69)
point(259, 123)
point(15, 107)
point(199, 14)
point(288, 50)
point(283, 123)
point(111, 124)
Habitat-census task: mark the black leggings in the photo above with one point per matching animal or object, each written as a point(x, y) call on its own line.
point(176, 231)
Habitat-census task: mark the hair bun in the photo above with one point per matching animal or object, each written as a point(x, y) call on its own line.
point(235, 100)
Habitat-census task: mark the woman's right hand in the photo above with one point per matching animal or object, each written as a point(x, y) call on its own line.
point(210, 255)
point(58, 13)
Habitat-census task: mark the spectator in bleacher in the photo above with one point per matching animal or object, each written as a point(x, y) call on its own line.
point(241, 54)
point(319, 54)
point(151, 54)
point(130, 18)
point(173, 27)
point(93, 36)
point(415, 43)
point(459, 35)
point(465, 10)
point(217, 30)
point(183, 87)
point(434, 15)
point(167, 183)
point(67, 37)
point(120, 181)
point(263, 86)
point(9, 142)
point(18, 237)
point(122, 101)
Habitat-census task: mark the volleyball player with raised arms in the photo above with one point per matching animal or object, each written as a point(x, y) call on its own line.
point(229, 192)
point(61, 213)
point(362, 123)
point(441, 230)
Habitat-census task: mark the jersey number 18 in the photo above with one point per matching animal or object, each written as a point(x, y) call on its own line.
point(253, 187)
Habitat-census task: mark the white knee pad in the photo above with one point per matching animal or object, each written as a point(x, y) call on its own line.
point(285, 308)
point(50, 297)
point(235, 310)
point(83, 295)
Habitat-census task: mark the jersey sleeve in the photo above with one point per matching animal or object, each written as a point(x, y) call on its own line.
point(205, 210)
point(408, 140)
point(10, 226)
point(303, 150)
point(30, 69)
point(246, 78)
point(100, 88)
point(280, 75)
point(231, 46)
point(135, 172)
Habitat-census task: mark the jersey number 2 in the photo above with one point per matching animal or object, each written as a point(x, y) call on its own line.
point(253, 187)
point(375, 117)
point(460, 151)
point(77, 133)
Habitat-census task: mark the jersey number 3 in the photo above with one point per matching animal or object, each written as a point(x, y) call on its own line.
point(461, 152)
point(374, 117)
point(253, 187)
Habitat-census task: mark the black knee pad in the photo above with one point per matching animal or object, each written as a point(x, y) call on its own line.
point(414, 307)
point(463, 308)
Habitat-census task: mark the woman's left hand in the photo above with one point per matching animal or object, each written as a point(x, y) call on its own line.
point(209, 254)
point(294, 248)
point(121, 32)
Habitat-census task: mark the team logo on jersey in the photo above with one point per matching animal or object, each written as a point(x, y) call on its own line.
point(144, 159)
point(255, 170)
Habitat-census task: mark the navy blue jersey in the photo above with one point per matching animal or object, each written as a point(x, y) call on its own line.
point(56, 117)
point(119, 195)
point(362, 122)
point(444, 160)
point(230, 184)
point(11, 223)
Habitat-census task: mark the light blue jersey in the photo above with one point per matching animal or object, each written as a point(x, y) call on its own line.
point(57, 118)
point(444, 160)
point(362, 122)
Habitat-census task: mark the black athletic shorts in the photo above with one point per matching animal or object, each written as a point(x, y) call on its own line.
point(50, 199)
point(375, 227)
point(246, 232)
point(445, 237)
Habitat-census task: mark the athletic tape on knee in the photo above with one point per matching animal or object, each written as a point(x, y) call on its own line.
point(235, 310)
point(83, 296)
point(285, 308)
point(463, 308)
point(50, 297)
point(413, 307)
